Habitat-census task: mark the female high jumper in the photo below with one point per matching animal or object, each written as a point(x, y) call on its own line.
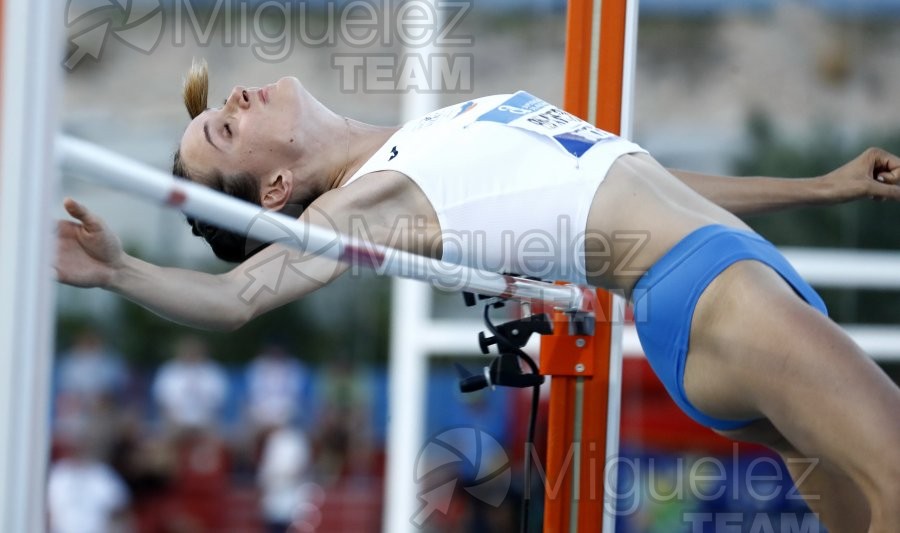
point(741, 342)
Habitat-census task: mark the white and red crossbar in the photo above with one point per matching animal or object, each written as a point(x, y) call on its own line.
point(116, 171)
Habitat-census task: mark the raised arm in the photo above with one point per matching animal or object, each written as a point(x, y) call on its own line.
point(90, 255)
point(873, 174)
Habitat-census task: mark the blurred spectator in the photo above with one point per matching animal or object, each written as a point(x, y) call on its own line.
point(84, 495)
point(148, 467)
point(287, 497)
point(191, 389)
point(90, 371)
point(91, 382)
point(344, 438)
point(275, 382)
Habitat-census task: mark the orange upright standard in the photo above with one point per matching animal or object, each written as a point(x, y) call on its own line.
point(585, 388)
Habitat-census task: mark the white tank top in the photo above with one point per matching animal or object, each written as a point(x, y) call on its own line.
point(511, 179)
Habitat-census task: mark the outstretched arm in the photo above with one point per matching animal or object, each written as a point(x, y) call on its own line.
point(89, 255)
point(873, 174)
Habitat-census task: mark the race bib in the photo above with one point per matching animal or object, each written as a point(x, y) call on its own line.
point(530, 113)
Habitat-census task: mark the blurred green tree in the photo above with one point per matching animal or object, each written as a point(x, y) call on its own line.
point(861, 224)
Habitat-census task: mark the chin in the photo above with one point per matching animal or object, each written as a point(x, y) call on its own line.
point(289, 83)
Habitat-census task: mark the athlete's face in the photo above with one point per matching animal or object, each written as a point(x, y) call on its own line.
point(256, 131)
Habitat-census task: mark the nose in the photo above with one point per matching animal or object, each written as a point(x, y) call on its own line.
point(239, 97)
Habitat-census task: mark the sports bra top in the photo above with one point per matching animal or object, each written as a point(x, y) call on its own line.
point(511, 179)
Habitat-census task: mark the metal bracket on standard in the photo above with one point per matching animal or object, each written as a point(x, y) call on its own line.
point(509, 338)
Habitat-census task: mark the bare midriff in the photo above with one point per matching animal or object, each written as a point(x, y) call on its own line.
point(639, 212)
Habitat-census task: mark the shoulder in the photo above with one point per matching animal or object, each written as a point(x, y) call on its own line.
point(371, 195)
point(367, 191)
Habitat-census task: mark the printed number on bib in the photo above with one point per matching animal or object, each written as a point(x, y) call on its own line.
point(530, 113)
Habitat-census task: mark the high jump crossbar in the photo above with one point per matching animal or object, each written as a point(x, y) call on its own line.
point(107, 168)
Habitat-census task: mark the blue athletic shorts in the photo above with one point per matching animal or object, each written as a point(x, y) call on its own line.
point(666, 295)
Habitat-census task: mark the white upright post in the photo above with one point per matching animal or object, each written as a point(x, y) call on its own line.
point(28, 183)
point(408, 361)
point(407, 374)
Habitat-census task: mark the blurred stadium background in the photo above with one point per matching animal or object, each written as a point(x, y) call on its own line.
point(737, 87)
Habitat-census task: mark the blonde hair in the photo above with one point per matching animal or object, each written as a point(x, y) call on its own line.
point(196, 88)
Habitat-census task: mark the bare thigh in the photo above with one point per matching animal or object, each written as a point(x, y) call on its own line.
point(827, 490)
point(758, 350)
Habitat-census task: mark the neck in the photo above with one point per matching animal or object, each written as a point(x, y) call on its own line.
point(363, 140)
point(340, 147)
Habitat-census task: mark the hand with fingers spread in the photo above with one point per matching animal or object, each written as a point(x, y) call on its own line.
point(874, 174)
point(88, 253)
